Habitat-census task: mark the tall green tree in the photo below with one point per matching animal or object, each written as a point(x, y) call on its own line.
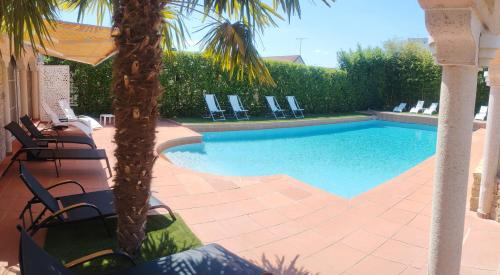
point(141, 28)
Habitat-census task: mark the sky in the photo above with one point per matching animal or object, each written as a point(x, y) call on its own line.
point(343, 26)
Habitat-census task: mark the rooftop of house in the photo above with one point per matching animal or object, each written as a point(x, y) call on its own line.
point(287, 58)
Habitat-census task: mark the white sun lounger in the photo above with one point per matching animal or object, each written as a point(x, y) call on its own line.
point(239, 111)
point(294, 106)
point(57, 123)
point(216, 113)
point(400, 108)
point(432, 109)
point(275, 107)
point(483, 111)
point(71, 116)
point(418, 108)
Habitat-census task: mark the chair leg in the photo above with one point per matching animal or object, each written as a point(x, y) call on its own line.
point(57, 169)
point(109, 168)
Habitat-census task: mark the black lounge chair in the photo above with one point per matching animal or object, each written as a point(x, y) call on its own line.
point(75, 208)
point(36, 134)
point(35, 152)
point(210, 259)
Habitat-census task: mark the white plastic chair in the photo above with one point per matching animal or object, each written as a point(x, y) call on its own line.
point(237, 107)
point(294, 106)
point(400, 108)
point(214, 107)
point(432, 109)
point(57, 123)
point(483, 111)
point(71, 116)
point(275, 107)
point(418, 108)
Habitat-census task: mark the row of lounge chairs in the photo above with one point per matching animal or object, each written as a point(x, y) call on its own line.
point(45, 210)
point(209, 259)
point(216, 113)
point(85, 124)
point(419, 107)
point(35, 146)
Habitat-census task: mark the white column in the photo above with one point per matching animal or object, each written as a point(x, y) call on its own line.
point(35, 93)
point(491, 145)
point(5, 87)
point(455, 32)
point(458, 93)
point(23, 89)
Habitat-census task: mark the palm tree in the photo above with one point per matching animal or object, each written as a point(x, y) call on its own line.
point(140, 29)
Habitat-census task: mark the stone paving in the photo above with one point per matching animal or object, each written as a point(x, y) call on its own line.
point(280, 223)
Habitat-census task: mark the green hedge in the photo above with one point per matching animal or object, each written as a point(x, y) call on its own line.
point(370, 78)
point(187, 76)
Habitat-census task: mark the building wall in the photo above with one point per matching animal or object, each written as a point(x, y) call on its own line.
point(26, 61)
point(2, 114)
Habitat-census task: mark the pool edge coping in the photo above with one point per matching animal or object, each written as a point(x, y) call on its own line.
point(197, 138)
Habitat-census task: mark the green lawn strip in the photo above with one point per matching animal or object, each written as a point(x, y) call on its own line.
point(260, 119)
point(72, 241)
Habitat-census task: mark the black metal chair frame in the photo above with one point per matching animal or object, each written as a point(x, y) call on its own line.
point(74, 263)
point(38, 134)
point(57, 218)
point(33, 151)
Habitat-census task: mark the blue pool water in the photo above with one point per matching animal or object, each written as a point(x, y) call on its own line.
point(345, 159)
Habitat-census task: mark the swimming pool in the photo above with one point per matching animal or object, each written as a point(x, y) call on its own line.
point(345, 159)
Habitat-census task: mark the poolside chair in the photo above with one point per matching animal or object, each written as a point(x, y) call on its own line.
point(237, 107)
point(58, 124)
point(75, 208)
point(275, 107)
point(418, 108)
point(400, 108)
point(432, 109)
point(216, 113)
point(294, 106)
point(483, 111)
point(35, 152)
point(208, 259)
point(36, 134)
point(71, 116)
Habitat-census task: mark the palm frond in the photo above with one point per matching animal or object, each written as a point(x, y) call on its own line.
point(256, 14)
point(231, 46)
point(97, 7)
point(174, 31)
point(27, 19)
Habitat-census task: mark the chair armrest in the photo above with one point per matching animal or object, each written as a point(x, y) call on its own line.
point(97, 255)
point(76, 206)
point(27, 149)
point(57, 215)
point(67, 182)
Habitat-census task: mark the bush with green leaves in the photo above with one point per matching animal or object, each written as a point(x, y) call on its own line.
point(367, 78)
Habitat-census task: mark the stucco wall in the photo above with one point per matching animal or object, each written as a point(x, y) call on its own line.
point(474, 197)
point(22, 65)
point(2, 115)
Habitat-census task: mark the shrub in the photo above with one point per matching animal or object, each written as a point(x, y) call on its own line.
point(369, 78)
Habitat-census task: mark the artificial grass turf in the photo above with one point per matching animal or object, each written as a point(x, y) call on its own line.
point(259, 119)
point(72, 241)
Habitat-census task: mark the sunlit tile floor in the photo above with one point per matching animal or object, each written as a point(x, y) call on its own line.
point(282, 224)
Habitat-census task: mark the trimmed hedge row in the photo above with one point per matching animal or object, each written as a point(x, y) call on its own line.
point(187, 76)
point(371, 78)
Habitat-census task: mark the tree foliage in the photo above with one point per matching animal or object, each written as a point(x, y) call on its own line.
point(375, 78)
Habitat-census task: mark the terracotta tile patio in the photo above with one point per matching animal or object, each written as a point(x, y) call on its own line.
point(280, 223)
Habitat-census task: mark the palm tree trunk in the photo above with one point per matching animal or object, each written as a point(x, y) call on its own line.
point(136, 88)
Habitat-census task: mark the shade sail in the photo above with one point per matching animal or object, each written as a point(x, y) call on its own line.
point(80, 42)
